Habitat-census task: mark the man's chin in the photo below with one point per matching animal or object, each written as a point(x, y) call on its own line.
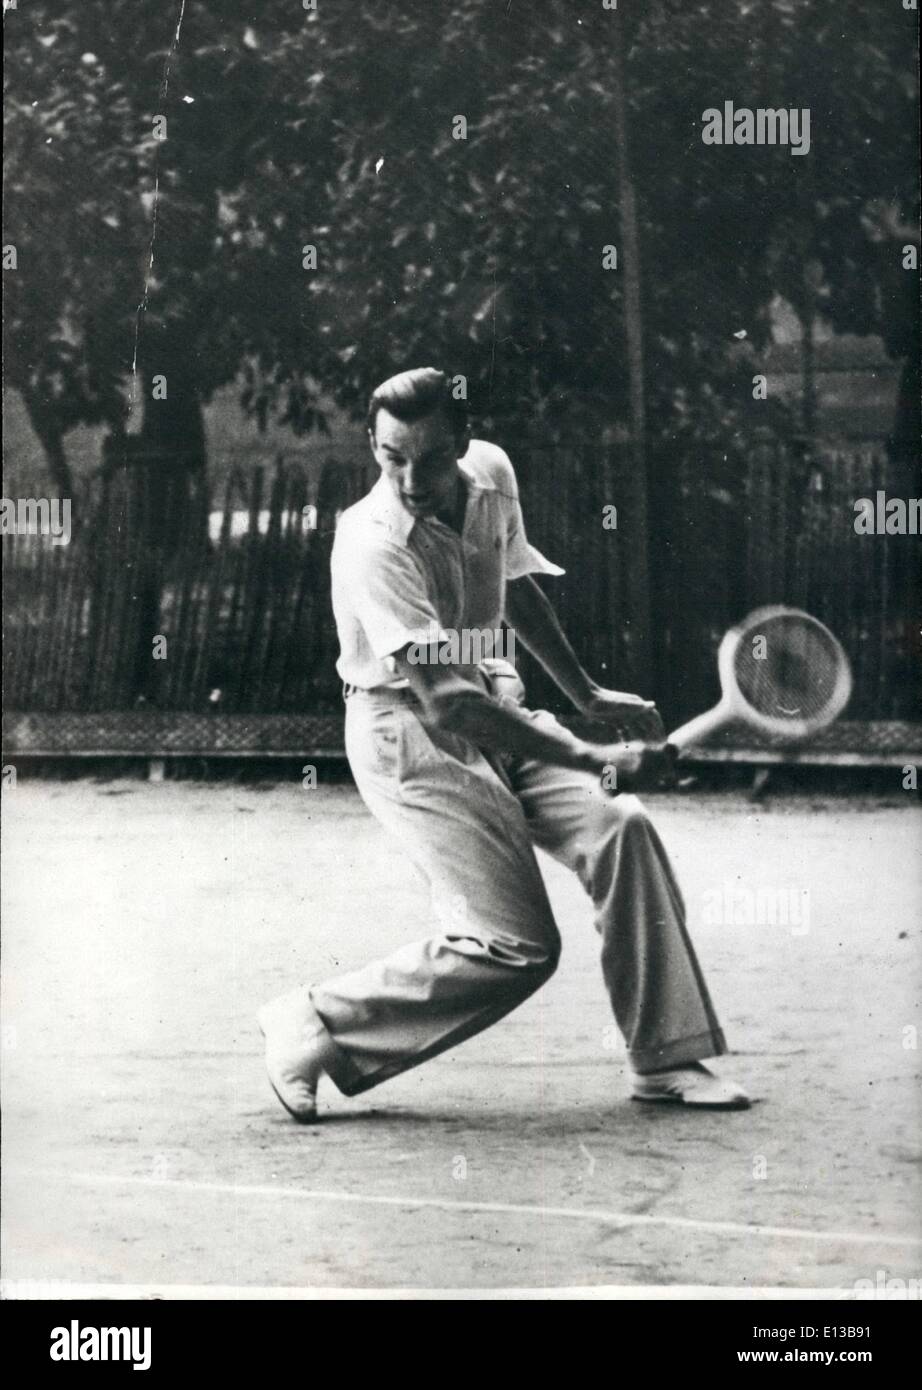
point(423, 508)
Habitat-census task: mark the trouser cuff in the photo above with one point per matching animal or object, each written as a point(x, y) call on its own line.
point(336, 1062)
point(678, 1053)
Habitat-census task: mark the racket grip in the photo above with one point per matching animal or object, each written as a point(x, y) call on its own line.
point(698, 729)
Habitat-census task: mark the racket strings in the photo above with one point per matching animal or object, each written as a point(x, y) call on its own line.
point(789, 668)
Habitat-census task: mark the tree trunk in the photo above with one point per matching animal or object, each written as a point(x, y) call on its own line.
point(159, 515)
point(808, 363)
point(639, 581)
point(172, 441)
point(52, 442)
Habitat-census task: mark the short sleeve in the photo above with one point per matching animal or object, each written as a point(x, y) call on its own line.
point(521, 556)
point(388, 596)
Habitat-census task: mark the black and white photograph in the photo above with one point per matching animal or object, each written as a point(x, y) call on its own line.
point(462, 661)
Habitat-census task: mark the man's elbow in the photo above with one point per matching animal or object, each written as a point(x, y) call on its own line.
point(453, 709)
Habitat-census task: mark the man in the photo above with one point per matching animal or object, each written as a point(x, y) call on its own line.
point(447, 757)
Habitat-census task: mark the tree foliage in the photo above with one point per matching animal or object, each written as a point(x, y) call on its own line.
point(334, 128)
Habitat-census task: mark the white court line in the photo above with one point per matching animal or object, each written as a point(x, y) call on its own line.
point(605, 1218)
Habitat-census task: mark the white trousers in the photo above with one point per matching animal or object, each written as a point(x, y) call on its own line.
point(470, 822)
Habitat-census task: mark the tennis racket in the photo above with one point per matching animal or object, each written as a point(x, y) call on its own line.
point(782, 674)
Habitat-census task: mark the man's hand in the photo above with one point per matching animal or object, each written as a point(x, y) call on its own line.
point(625, 714)
point(626, 767)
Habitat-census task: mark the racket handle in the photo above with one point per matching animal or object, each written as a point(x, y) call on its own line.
point(698, 729)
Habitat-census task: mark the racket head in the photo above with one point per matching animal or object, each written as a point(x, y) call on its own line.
point(793, 683)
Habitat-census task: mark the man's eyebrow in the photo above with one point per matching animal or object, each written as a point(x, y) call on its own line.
point(430, 453)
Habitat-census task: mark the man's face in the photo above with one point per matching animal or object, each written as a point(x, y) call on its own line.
point(419, 459)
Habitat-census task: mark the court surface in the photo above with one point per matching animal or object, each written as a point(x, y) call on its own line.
point(143, 925)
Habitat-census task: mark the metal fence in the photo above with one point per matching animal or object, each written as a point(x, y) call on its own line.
point(170, 598)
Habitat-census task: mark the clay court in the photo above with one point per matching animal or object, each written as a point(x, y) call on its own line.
point(143, 924)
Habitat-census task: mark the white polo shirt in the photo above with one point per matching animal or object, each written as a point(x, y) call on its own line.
point(398, 579)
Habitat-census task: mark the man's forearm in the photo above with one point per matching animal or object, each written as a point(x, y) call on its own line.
point(535, 624)
point(485, 722)
point(504, 728)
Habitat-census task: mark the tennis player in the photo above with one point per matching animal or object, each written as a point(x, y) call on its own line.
point(468, 780)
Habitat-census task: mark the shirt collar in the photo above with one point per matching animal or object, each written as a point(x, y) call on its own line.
point(389, 512)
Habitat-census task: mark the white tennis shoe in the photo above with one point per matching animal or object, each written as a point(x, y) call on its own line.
point(293, 1036)
point(690, 1085)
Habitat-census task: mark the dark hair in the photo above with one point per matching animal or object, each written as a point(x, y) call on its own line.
point(416, 393)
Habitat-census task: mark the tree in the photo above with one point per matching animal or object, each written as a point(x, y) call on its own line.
point(351, 189)
point(336, 128)
point(139, 138)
